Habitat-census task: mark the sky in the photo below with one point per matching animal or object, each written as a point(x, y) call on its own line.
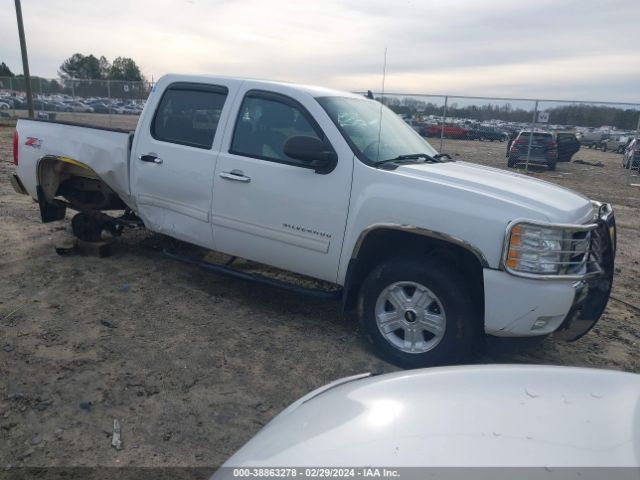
point(561, 49)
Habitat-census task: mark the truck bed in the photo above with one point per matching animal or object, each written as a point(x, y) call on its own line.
point(105, 150)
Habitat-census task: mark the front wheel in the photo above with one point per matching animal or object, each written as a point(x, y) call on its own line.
point(417, 312)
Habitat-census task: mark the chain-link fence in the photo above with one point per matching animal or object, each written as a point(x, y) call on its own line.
point(105, 103)
point(526, 134)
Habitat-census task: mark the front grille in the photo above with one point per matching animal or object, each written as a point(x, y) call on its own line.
point(598, 245)
point(587, 252)
point(576, 253)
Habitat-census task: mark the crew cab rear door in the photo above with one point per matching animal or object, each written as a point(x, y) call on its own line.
point(268, 207)
point(173, 159)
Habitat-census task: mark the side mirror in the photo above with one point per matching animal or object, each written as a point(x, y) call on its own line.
point(312, 153)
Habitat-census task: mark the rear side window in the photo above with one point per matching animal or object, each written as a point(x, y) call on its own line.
point(188, 114)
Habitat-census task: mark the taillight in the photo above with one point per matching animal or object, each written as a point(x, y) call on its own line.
point(15, 147)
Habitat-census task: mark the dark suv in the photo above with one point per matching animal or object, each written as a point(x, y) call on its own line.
point(488, 132)
point(546, 148)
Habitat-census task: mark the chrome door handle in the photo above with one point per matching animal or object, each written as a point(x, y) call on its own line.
point(235, 175)
point(151, 158)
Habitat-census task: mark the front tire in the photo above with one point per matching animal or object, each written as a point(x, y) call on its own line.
point(417, 312)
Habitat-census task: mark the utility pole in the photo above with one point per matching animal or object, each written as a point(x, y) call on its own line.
point(25, 60)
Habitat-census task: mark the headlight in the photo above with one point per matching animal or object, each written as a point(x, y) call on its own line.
point(567, 251)
point(535, 249)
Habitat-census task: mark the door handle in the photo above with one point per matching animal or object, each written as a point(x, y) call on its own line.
point(235, 175)
point(151, 158)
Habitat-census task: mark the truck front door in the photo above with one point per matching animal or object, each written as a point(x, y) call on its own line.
point(270, 208)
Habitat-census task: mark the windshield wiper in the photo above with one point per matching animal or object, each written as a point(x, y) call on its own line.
point(413, 157)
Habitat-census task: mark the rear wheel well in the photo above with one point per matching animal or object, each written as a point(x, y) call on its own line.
point(77, 183)
point(382, 244)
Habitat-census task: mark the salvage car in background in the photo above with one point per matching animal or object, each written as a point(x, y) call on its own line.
point(547, 148)
point(538, 148)
point(488, 132)
point(631, 158)
point(592, 139)
point(549, 422)
point(75, 106)
point(449, 130)
point(429, 251)
point(616, 143)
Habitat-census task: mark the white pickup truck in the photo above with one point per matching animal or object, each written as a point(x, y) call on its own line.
point(430, 251)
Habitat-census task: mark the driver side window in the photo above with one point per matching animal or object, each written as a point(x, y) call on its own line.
point(265, 123)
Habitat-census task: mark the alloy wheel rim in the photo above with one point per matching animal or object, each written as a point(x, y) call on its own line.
point(410, 317)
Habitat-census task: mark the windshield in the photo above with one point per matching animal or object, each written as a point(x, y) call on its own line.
point(377, 134)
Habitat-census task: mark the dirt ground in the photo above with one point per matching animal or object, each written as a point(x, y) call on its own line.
point(192, 363)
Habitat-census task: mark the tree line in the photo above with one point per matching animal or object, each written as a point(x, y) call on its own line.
point(90, 67)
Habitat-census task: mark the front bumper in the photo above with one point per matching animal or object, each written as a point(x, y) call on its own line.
point(513, 305)
point(592, 294)
point(517, 306)
point(537, 159)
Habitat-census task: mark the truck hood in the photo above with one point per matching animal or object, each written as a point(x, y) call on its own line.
point(466, 416)
point(553, 203)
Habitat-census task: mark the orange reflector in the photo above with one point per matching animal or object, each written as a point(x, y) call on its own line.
point(514, 241)
point(515, 236)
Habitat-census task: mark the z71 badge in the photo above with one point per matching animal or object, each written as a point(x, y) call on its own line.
point(33, 142)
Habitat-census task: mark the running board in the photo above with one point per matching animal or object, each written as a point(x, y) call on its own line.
point(256, 277)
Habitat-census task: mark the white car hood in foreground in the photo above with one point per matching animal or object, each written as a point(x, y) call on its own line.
point(557, 204)
point(478, 416)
